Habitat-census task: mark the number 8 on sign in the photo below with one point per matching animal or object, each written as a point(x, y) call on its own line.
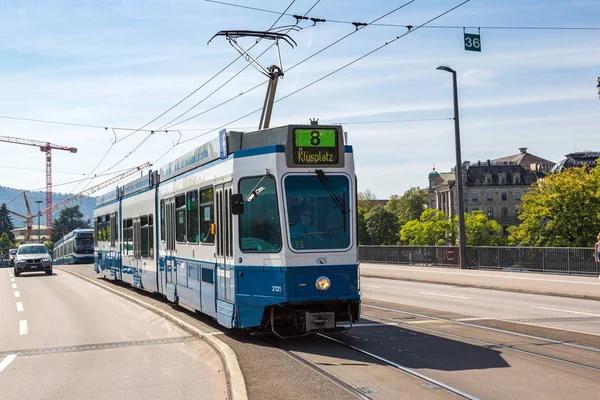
point(314, 138)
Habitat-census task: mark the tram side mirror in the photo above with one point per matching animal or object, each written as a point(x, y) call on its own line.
point(237, 204)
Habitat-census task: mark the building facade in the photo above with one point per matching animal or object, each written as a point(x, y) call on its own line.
point(495, 187)
point(587, 158)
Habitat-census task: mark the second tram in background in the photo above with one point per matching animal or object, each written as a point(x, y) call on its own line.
point(76, 247)
point(256, 229)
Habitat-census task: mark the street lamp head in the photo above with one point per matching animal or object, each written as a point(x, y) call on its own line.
point(447, 69)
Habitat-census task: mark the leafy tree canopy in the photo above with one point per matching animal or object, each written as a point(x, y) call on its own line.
point(6, 224)
point(561, 211)
point(382, 226)
point(5, 244)
point(366, 200)
point(69, 218)
point(409, 206)
point(432, 229)
point(481, 231)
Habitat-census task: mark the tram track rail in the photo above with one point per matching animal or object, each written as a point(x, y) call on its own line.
point(463, 337)
point(381, 360)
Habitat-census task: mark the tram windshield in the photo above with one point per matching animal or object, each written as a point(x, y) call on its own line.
point(317, 211)
point(84, 242)
point(260, 228)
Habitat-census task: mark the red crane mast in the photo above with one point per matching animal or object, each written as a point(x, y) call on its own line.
point(46, 147)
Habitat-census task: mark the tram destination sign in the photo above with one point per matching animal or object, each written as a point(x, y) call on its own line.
point(314, 146)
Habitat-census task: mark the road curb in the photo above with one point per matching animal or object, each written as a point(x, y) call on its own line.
point(476, 286)
point(235, 378)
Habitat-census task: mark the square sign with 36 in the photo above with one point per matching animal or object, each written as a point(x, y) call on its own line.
point(472, 42)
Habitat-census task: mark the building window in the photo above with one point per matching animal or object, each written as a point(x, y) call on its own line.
point(475, 209)
point(505, 230)
point(475, 196)
point(503, 195)
point(490, 196)
point(504, 212)
point(432, 203)
point(517, 195)
point(517, 178)
point(431, 185)
point(488, 179)
point(490, 212)
point(503, 179)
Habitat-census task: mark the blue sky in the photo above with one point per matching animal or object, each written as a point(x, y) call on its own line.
point(122, 63)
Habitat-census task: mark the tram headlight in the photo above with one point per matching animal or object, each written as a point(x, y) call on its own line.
point(323, 283)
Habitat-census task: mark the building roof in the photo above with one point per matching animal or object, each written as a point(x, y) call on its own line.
point(589, 158)
point(523, 158)
point(476, 175)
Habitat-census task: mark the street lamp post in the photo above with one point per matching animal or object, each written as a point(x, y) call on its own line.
point(38, 203)
point(459, 186)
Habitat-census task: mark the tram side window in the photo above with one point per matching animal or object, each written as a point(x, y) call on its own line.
point(128, 236)
point(96, 224)
point(192, 216)
point(162, 221)
point(144, 236)
point(260, 227)
point(151, 236)
point(116, 227)
point(180, 218)
point(207, 216)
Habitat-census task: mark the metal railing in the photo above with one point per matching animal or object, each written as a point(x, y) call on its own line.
point(564, 260)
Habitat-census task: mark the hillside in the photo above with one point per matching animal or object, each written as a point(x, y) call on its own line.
point(86, 205)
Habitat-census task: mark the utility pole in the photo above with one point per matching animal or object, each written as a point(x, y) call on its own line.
point(458, 170)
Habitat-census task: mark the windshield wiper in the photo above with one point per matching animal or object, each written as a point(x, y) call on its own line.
point(255, 192)
point(337, 199)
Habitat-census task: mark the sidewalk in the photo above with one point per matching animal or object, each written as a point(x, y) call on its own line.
point(555, 285)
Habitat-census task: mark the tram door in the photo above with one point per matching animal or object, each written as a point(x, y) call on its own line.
point(224, 254)
point(136, 253)
point(171, 251)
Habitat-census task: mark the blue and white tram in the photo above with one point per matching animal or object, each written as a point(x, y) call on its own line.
point(76, 247)
point(257, 230)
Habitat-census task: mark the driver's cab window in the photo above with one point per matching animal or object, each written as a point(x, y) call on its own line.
point(260, 227)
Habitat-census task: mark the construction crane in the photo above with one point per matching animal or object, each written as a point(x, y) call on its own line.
point(29, 218)
point(63, 203)
point(46, 147)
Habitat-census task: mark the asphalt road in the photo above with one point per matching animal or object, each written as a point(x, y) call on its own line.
point(548, 311)
point(62, 337)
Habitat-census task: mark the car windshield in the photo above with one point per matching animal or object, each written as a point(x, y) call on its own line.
point(316, 219)
point(32, 250)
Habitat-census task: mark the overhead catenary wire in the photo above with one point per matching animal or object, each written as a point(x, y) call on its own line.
point(171, 122)
point(204, 84)
point(409, 26)
point(295, 65)
point(325, 76)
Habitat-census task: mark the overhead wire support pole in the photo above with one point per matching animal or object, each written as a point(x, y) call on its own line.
point(274, 72)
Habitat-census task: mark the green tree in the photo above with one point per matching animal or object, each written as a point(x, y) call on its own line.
point(5, 244)
point(363, 234)
point(480, 230)
point(561, 211)
point(69, 218)
point(382, 226)
point(409, 206)
point(6, 224)
point(366, 200)
point(432, 229)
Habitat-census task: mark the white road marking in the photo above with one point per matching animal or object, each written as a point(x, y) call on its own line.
point(365, 325)
point(427, 321)
point(12, 279)
point(438, 272)
point(23, 327)
point(17, 294)
point(373, 286)
point(20, 307)
point(14, 285)
point(446, 295)
point(567, 311)
point(7, 360)
point(473, 319)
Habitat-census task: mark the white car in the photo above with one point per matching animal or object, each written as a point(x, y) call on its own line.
point(32, 257)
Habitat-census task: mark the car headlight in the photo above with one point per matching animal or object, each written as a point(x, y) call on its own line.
point(323, 283)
